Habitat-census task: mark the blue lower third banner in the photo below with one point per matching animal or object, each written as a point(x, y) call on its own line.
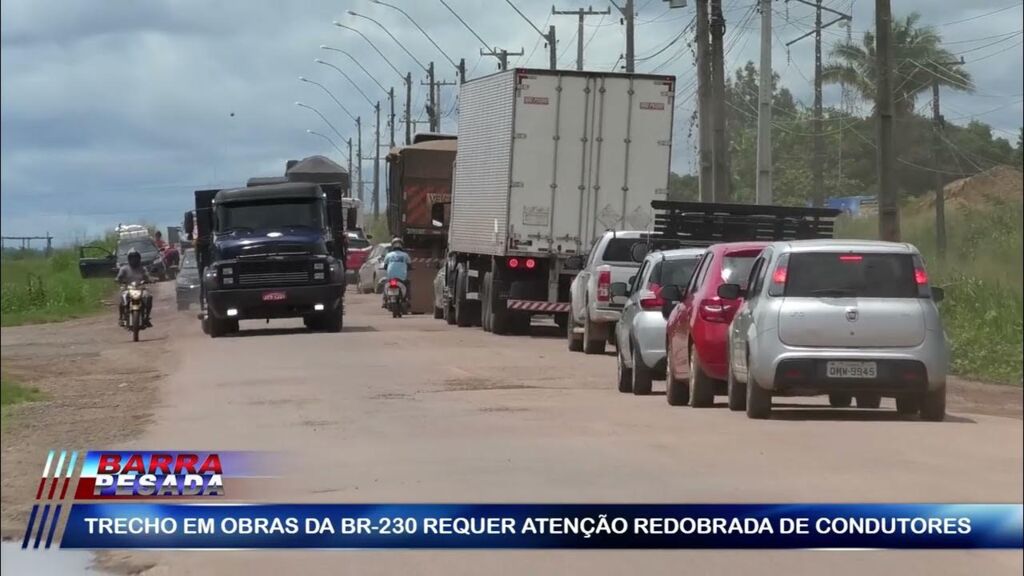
point(507, 526)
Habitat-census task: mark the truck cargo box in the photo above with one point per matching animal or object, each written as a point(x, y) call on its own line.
point(549, 160)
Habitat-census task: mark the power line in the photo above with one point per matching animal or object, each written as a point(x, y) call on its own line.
point(987, 14)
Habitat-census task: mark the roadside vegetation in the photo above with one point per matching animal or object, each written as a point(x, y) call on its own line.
point(12, 393)
point(982, 276)
point(37, 289)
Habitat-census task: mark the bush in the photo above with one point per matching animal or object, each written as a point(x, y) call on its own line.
point(38, 289)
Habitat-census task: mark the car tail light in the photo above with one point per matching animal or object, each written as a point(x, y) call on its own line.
point(654, 301)
point(850, 258)
point(530, 264)
point(716, 310)
point(920, 276)
point(393, 282)
point(779, 275)
point(604, 283)
point(513, 262)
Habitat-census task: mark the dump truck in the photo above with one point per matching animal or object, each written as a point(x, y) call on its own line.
point(419, 202)
point(548, 161)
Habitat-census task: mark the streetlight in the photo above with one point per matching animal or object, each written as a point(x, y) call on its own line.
point(357, 63)
point(331, 94)
point(389, 91)
point(359, 132)
point(342, 72)
point(460, 67)
point(388, 32)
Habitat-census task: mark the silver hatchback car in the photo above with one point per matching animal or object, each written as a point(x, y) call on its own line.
point(851, 319)
point(640, 330)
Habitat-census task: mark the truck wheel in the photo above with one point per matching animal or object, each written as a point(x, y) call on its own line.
point(562, 321)
point(624, 373)
point(839, 400)
point(462, 318)
point(217, 327)
point(702, 387)
point(933, 405)
point(333, 322)
point(737, 393)
point(759, 401)
point(677, 392)
point(868, 400)
point(485, 302)
point(438, 313)
point(642, 376)
point(575, 340)
point(590, 344)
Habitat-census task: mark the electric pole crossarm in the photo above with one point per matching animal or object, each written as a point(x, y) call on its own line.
point(826, 9)
point(813, 32)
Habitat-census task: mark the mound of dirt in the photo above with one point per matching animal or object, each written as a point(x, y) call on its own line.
point(997, 185)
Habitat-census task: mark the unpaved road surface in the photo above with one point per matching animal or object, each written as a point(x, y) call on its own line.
point(414, 410)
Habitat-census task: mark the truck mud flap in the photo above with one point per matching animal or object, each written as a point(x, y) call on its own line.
point(539, 306)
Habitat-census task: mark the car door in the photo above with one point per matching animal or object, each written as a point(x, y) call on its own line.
point(682, 318)
point(578, 288)
point(624, 327)
point(742, 323)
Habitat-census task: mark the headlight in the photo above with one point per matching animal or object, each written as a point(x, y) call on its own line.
point(227, 270)
point(318, 276)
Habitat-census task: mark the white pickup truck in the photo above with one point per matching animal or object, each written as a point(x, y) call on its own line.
point(593, 310)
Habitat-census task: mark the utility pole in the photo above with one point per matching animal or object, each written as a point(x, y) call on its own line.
point(888, 195)
point(720, 143)
point(435, 99)
point(376, 165)
point(391, 122)
point(432, 109)
point(552, 48)
point(764, 109)
point(938, 127)
point(408, 108)
point(359, 157)
point(462, 70)
point(627, 18)
point(818, 158)
point(581, 13)
point(502, 55)
point(349, 142)
point(705, 180)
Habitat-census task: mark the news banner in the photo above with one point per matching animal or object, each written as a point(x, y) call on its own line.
point(190, 501)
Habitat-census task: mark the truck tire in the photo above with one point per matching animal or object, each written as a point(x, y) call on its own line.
point(702, 387)
point(562, 321)
point(462, 318)
point(217, 328)
point(485, 302)
point(759, 401)
point(624, 373)
point(840, 400)
point(334, 322)
point(497, 317)
point(575, 340)
point(590, 344)
point(933, 405)
point(737, 393)
point(642, 375)
point(868, 400)
point(677, 392)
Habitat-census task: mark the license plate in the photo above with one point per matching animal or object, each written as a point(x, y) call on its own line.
point(852, 370)
point(274, 296)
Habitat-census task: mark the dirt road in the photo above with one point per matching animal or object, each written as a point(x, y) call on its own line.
point(414, 410)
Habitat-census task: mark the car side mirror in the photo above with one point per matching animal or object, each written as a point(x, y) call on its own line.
point(574, 262)
point(730, 291)
point(938, 294)
point(619, 289)
point(369, 236)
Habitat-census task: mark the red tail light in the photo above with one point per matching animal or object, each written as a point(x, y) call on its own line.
point(393, 283)
point(779, 276)
point(920, 276)
point(604, 283)
point(531, 263)
point(850, 258)
point(513, 262)
point(654, 301)
point(716, 310)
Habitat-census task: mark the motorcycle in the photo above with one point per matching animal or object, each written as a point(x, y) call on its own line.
point(394, 294)
point(134, 321)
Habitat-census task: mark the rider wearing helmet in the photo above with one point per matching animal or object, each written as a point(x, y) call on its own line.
point(397, 263)
point(134, 271)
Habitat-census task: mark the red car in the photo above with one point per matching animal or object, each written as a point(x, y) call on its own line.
point(359, 248)
point(698, 328)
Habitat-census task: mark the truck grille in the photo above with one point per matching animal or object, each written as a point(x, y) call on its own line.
point(273, 278)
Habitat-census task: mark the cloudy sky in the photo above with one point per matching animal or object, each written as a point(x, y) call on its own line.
point(114, 110)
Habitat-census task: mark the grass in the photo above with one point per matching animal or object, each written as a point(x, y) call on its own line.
point(37, 289)
point(12, 393)
point(982, 276)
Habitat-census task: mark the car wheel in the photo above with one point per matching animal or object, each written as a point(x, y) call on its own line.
point(907, 405)
point(737, 393)
point(702, 387)
point(677, 392)
point(933, 405)
point(840, 400)
point(575, 340)
point(438, 313)
point(590, 345)
point(759, 401)
point(625, 375)
point(642, 375)
point(868, 400)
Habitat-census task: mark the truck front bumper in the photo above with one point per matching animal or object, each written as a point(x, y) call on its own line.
point(250, 303)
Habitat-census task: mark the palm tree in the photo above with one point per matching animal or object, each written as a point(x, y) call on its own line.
point(918, 58)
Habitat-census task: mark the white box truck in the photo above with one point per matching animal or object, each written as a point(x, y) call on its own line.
point(548, 161)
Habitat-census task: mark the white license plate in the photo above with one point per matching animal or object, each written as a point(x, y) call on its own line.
point(838, 369)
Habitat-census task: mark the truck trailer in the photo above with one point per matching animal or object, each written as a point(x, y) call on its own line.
point(547, 162)
point(419, 203)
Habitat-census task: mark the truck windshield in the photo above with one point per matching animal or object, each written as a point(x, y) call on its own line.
point(251, 216)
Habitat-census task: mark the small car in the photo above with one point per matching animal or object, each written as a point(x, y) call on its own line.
point(186, 284)
point(640, 331)
point(358, 250)
point(844, 318)
point(146, 248)
point(370, 272)
point(697, 331)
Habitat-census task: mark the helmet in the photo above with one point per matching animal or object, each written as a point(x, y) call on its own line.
point(134, 258)
point(396, 243)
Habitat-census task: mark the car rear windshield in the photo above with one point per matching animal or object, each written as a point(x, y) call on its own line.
point(845, 275)
point(358, 243)
point(619, 250)
point(673, 272)
point(736, 267)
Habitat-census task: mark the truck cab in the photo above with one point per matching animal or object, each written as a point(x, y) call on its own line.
point(271, 251)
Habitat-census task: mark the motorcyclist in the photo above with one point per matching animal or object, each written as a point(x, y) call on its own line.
point(134, 271)
point(159, 241)
point(397, 263)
